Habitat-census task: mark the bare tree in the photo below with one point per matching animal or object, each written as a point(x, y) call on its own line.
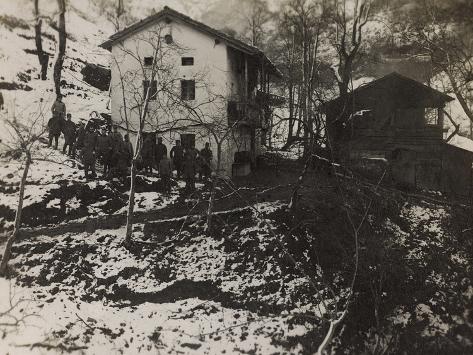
point(117, 12)
point(303, 21)
point(349, 20)
point(442, 30)
point(15, 314)
point(43, 57)
point(257, 16)
point(156, 70)
point(24, 143)
point(62, 45)
point(287, 52)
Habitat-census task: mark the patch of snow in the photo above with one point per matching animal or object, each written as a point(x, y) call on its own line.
point(436, 325)
point(462, 142)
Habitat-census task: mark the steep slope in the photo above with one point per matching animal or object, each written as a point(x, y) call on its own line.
point(237, 290)
point(24, 92)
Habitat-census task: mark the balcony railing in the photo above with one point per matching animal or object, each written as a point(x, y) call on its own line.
point(244, 113)
point(267, 99)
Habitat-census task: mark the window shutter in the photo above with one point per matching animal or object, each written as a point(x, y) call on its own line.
point(153, 90)
point(191, 90)
point(183, 90)
point(187, 90)
point(145, 88)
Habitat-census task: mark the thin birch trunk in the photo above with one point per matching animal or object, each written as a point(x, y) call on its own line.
point(212, 192)
point(131, 203)
point(7, 252)
point(294, 198)
point(62, 46)
point(138, 145)
point(42, 56)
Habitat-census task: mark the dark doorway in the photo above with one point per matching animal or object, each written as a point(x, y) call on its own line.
point(188, 140)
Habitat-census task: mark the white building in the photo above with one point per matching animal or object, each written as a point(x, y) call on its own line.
point(205, 82)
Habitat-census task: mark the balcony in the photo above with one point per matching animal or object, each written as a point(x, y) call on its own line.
point(244, 114)
point(266, 99)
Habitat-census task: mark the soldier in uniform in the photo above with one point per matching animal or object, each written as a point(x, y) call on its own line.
point(161, 151)
point(116, 141)
point(128, 149)
point(165, 171)
point(59, 108)
point(206, 159)
point(190, 165)
point(177, 156)
point(69, 132)
point(88, 152)
point(147, 154)
point(104, 149)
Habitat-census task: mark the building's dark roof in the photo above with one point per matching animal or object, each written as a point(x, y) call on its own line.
point(170, 13)
point(406, 90)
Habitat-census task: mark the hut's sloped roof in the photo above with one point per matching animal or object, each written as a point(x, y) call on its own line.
point(399, 88)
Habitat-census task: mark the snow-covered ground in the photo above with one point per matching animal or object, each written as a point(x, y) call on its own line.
point(232, 292)
point(194, 297)
point(462, 142)
point(186, 326)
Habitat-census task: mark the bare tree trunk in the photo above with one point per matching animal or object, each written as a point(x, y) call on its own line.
point(43, 57)
point(131, 203)
point(131, 198)
point(120, 12)
point(331, 332)
point(295, 192)
point(139, 146)
point(299, 112)
point(455, 125)
point(290, 132)
point(62, 45)
point(304, 92)
point(214, 187)
point(7, 252)
point(345, 71)
point(458, 94)
point(122, 84)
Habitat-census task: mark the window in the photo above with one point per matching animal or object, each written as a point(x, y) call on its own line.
point(431, 116)
point(153, 90)
point(148, 61)
point(168, 39)
point(232, 111)
point(187, 60)
point(187, 89)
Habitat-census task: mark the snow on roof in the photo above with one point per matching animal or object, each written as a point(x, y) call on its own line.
point(462, 142)
point(362, 81)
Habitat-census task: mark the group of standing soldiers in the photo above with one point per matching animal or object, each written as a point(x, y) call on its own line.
point(187, 161)
point(115, 152)
point(111, 150)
